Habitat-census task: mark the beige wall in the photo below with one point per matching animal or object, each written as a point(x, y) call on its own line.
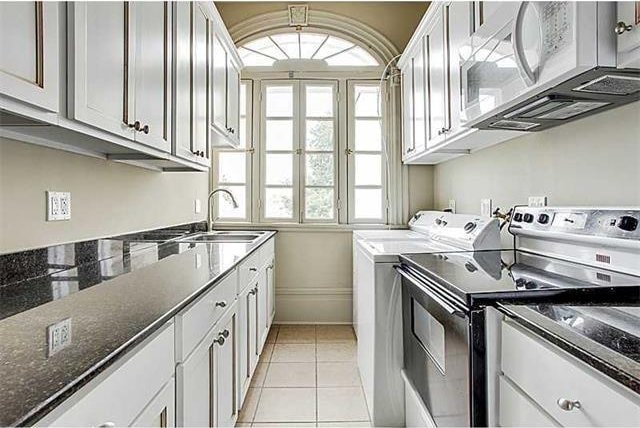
point(395, 20)
point(592, 161)
point(107, 198)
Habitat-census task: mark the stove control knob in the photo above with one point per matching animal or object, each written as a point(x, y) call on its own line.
point(517, 217)
point(469, 227)
point(628, 223)
point(438, 221)
point(530, 285)
point(543, 218)
point(528, 218)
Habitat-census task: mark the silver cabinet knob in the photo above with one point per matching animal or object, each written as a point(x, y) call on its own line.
point(621, 27)
point(225, 333)
point(568, 405)
point(219, 340)
point(222, 304)
point(253, 269)
point(107, 425)
point(253, 291)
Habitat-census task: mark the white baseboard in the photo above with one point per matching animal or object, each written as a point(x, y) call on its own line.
point(318, 305)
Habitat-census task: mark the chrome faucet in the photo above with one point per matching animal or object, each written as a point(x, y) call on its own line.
point(209, 214)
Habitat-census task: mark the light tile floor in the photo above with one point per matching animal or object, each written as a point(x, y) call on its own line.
point(307, 377)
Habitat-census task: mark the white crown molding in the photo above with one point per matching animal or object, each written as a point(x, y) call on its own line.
point(319, 21)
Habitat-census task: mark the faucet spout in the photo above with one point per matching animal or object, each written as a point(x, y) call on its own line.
point(209, 199)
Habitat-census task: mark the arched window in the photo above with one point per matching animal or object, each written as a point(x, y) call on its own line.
point(323, 49)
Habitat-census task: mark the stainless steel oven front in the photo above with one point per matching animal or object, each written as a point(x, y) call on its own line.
point(442, 350)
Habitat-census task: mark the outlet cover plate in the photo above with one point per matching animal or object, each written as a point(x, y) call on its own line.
point(452, 205)
point(486, 207)
point(537, 201)
point(197, 206)
point(58, 206)
point(58, 336)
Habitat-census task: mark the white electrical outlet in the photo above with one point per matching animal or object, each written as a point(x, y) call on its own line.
point(486, 207)
point(59, 336)
point(58, 206)
point(198, 260)
point(537, 201)
point(197, 206)
point(452, 205)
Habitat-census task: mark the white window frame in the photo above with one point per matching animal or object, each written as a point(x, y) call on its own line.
point(249, 150)
point(351, 153)
point(298, 151)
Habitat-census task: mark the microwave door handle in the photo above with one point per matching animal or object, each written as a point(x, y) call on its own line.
point(523, 66)
point(446, 306)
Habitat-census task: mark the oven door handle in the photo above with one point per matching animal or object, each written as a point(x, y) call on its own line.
point(439, 300)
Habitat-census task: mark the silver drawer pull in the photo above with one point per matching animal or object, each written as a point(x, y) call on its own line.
point(219, 340)
point(107, 425)
point(568, 405)
point(221, 304)
point(253, 269)
point(224, 334)
point(253, 291)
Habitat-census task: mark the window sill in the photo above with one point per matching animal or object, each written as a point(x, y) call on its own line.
point(305, 227)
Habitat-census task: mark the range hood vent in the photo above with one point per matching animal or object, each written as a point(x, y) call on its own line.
point(611, 84)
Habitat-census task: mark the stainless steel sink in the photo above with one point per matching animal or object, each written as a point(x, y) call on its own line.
point(224, 236)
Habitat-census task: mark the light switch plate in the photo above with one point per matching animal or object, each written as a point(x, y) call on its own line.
point(537, 201)
point(486, 207)
point(452, 205)
point(58, 336)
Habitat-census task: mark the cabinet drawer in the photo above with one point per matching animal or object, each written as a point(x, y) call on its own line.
point(547, 374)
point(517, 410)
point(248, 269)
point(119, 395)
point(195, 321)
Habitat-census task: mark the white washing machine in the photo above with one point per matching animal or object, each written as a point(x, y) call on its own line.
point(377, 311)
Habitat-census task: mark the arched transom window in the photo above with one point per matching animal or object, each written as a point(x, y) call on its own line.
point(328, 49)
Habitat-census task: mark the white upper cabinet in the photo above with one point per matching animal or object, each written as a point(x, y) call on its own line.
point(150, 73)
point(29, 58)
point(191, 68)
point(219, 87)
point(431, 86)
point(628, 31)
point(97, 82)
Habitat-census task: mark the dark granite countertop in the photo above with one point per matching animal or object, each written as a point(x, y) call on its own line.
point(116, 293)
point(606, 338)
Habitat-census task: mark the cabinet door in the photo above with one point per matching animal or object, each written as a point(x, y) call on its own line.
point(219, 84)
point(195, 386)
point(458, 23)
point(151, 72)
point(98, 80)
point(233, 98)
point(482, 10)
point(436, 89)
point(200, 141)
point(29, 52)
point(407, 110)
point(271, 293)
point(161, 411)
point(263, 309)
point(419, 98)
point(629, 40)
point(182, 125)
point(224, 357)
point(252, 323)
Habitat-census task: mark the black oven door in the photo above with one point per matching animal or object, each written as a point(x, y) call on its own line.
point(436, 335)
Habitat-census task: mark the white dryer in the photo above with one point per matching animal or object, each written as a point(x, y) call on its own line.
point(377, 311)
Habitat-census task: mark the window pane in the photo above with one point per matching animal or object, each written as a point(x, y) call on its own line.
point(279, 169)
point(319, 101)
point(367, 100)
point(368, 135)
point(242, 133)
point(309, 43)
point(319, 204)
point(265, 46)
point(368, 170)
point(243, 99)
point(279, 134)
point(355, 56)
point(331, 46)
point(254, 59)
point(288, 43)
point(279, 101)
point(279, 203)
point(225, 206)
point(232, 167)
point(368, 203)
point(319, 135)
point(319, 169)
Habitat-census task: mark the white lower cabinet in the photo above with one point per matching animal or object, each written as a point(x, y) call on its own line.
point(224, 371)
point(161, 412)
point(247, 338)
point(113, 399)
